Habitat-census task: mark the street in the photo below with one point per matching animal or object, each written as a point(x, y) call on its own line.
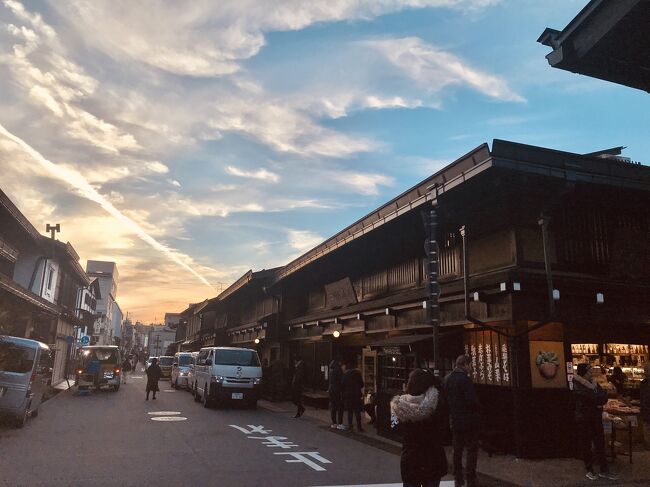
point(110, 438)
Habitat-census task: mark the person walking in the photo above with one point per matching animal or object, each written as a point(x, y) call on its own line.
point(645, 405)
point(464, 416)
point(126, 368)
point(370, 406)
point(297, 385)
point(419, 417)
point(334, 390)
point(153, 376)
point(589, 398)
point(352, 392)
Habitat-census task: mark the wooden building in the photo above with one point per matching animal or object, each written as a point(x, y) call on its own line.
point(362, 293)
point(607, 40)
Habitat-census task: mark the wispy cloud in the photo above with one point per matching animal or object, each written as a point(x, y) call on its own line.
point(81, 186)
point(261, 174)
point(363, 183)
point(303, 240)
point(434, 68)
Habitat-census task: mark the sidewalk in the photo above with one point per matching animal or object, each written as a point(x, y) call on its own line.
point(499, 470)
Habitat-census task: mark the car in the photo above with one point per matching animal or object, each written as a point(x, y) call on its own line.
point(165, 362)
point(181, 369)
point(25, 373)
point(99, 366)
point(227, 374)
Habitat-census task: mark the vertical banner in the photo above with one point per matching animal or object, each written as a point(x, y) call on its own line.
point(490, 357)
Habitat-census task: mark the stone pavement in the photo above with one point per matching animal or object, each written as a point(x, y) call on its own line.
point(503, 470)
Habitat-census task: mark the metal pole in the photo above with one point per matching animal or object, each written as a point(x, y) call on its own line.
point(433, 307)
point(463, 234)
point(543, 223)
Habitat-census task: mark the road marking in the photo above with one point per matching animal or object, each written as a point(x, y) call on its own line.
point(306, 457)
point(169, 390)
point(163, 413)
point(168, 418)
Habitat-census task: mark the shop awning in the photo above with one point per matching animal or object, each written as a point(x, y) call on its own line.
point(401, 340)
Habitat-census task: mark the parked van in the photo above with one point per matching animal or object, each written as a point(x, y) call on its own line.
point(180, 369)
point(165, 362)
point(227, 374)
point(25, 374)
point(99, 366)
point(191, 375)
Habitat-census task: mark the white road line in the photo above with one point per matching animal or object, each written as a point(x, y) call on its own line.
point(168, 418)
point(163, 413)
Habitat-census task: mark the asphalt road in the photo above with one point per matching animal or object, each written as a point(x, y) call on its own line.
point(109, 438)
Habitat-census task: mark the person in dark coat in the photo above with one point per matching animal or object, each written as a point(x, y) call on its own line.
point(589, 399)
point(618, 380)
point(419, 417)
point(126, 367)
point(297, 386)
point(464, 416)
point(334, 390)
point(153, 376)
point(352, 393)
point(645, 405)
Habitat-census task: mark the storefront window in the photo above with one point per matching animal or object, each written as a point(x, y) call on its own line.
point(394, 370)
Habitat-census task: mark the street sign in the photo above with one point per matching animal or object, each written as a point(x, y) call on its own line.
point(85, 340)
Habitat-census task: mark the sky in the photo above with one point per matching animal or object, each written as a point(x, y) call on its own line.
point(192, 141)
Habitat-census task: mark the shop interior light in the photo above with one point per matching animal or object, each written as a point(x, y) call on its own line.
point(600, 298)
point(477, 297)
point(516, 286)
point(257, 341)
point(394, 359)
point(336, 333)
point(556, 294)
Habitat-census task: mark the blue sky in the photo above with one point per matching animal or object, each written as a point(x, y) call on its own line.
point(190, 142)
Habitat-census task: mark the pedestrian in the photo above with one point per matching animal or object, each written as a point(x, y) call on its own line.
point(153, 376)
point(645, 405)
point(135, 364)
point(297, 385)
point(464, 416)
point(126, 367)
point(589, 398)
point(370, 405)
point(334, 390)
point(419, 417)
point(352, 392)
point(618, 380)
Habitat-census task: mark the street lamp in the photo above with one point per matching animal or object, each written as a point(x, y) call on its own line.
point(257, 341)
point(336, 333)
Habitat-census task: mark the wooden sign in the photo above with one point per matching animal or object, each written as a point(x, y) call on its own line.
point(490, 357)
point(340, 294)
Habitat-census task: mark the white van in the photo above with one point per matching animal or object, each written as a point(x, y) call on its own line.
point(227, 374)
point(25, 372)
point(181, 369)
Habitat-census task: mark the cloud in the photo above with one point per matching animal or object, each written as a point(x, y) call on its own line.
point(81, 186)
point(434, 69)
point(363, 183)
point(303, 240)
point(206, 39)
point(261, 174)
